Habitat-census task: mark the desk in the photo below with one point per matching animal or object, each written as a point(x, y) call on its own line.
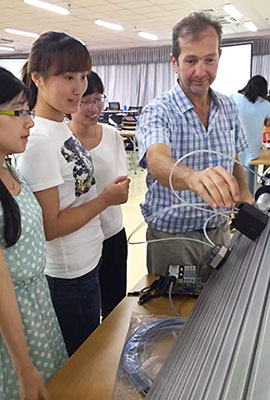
point(90, 373)
point(131, 135)
point(264, 159)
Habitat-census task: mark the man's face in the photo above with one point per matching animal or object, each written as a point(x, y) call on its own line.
point(197, 63)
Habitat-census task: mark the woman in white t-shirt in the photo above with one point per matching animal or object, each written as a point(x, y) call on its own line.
point(105, 145)
point(61, 174)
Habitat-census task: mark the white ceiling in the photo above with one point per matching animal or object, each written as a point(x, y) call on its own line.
point(153, 16)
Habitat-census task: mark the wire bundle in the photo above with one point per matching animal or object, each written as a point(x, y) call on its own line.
point(144, 336)
point(199, 206)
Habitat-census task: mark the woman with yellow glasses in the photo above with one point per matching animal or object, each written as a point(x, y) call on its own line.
point(31, 344)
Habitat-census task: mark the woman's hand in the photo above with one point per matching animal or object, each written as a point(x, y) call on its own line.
point(31, 385)
point(116, 192)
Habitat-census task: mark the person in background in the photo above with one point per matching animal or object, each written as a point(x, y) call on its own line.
point(190, 117)
point(254, 114)
point(61, 174)
point(105, 146)
point(31, 344)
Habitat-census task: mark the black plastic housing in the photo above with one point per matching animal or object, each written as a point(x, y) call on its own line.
point(250, 221)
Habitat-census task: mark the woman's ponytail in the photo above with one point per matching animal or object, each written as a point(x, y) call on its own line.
point(27, 80)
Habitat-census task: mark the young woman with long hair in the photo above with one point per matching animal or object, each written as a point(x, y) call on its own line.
point(31, 344)
point(61, 175)
point(105, 146)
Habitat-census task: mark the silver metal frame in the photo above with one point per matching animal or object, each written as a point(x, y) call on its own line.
point(223, 352)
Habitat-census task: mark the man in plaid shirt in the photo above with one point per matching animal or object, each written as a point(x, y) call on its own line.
point(191, 117)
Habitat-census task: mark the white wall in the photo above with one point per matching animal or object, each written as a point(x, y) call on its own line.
point(233, 73)
point(234, 69)
point(13, 65)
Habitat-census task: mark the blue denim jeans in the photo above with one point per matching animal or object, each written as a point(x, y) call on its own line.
point(77, 303)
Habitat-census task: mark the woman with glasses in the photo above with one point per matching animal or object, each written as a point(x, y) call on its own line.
point(61, 175)
point(105, 146)
point(31, 344)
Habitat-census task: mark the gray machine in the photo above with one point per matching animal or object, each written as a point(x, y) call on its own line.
point(223, 352)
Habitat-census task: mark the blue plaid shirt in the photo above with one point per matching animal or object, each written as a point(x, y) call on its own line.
point(171, 119)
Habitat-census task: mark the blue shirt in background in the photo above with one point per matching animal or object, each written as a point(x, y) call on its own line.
point(252, 116)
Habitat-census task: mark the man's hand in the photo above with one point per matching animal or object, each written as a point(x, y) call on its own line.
point(215, 185)
point(247, 198)
point(31, 385)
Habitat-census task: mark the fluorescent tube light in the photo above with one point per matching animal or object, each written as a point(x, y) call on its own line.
point(148, 36)
point(109, 25)
point(250, 26)
point(22, 33)
point(3, 48)
point(231, 10)
point(48, 6)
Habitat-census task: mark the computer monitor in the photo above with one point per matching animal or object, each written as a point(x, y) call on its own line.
point(135, 108)
point(114, 105)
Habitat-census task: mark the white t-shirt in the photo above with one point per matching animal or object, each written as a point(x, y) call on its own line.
point(54, 157)
point(110, 161)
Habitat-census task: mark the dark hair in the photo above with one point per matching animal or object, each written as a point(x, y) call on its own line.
point(10, 88)
point(95, 84)
point(54, 53)
point(256, 86)
point(193, 25)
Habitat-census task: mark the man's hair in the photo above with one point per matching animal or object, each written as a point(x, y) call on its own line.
point(193, 25)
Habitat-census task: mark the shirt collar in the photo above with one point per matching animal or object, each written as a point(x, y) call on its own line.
point(185, 103)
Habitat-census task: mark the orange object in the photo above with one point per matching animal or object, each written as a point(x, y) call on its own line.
point(266, 134)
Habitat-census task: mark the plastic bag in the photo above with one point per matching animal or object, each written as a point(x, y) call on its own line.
point(149, 340)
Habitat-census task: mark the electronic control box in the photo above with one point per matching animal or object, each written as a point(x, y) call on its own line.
point(187, 279)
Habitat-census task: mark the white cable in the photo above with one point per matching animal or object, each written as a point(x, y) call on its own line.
point(205, 232)
point(185, 203)
point(172, 238)
point(171, 302)
point(171, 207)
point(156, 215)
point(189, 154)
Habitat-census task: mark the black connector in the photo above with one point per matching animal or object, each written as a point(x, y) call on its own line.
point(250, 221)
point(218, 255)
point(172, 279)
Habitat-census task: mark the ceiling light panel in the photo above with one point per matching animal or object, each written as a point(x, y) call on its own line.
point(250, 26)
point(108, 25)
point(4, 48)
point(148, 36)
point(231, 10)
point(48, 6)
point(22, 33)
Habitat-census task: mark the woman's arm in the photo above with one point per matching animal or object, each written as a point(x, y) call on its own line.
point(31, 384)
point(58, 223)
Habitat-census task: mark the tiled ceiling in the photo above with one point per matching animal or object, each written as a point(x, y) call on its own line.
point(152, 16)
